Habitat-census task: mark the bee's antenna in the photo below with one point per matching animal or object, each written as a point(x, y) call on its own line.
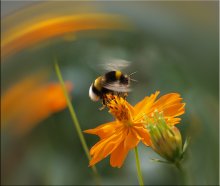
point(132, 73)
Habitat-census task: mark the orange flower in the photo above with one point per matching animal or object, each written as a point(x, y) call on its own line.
point(129, 128)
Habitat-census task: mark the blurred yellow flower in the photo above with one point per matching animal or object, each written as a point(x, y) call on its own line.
point(129, 127)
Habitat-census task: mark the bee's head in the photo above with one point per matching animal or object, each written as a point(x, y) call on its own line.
point(125, 79)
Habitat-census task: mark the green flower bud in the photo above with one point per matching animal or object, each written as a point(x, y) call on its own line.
point(166, 140)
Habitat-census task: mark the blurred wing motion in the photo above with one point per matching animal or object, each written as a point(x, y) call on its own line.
point(114, 64)
point(117, 87)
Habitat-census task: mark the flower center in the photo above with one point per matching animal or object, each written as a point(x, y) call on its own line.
point(119, 109)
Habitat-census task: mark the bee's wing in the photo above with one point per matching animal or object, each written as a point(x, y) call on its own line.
point(114, 64)
point(117, 86)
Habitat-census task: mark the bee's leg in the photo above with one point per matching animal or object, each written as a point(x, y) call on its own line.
point(118, 94)
point(125, 95)
point(103, 104)
point(102, 108)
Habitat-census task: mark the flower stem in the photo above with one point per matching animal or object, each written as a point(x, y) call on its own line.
point(74, 118)
point(140, 178)
point(183, 176)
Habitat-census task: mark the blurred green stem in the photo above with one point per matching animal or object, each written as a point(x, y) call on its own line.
point(140, 178)
point(183, 175)
point(74, 119)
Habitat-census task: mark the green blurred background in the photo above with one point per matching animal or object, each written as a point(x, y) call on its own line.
point(173, 46)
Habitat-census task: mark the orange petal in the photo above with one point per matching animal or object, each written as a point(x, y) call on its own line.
point(143, 134)
point(118, 156)
point(174, 110)
point(103, 142)
point(145, 105)
point(168, 100)
point(104, 130)
point(106, 146)
point(170, 105)
point(131, 139)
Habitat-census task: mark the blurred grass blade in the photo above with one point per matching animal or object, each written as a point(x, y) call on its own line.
point(74, 119)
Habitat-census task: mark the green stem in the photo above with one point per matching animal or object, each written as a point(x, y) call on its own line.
point(140, 178)
point(74, 118)
point(183, 176)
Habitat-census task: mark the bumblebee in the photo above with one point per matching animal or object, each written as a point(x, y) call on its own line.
point(113, 82)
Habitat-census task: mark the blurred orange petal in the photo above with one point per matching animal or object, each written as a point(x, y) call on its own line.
point(36, 31)
point(27, 103)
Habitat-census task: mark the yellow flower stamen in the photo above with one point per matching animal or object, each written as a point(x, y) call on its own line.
point(119, 109)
